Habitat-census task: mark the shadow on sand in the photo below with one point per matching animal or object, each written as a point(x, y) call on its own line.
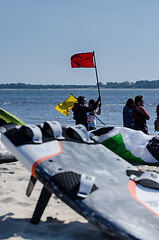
point(52, 229)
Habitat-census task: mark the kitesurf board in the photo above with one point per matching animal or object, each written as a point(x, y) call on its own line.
point(91, 179)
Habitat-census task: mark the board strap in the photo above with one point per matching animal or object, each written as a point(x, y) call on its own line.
point(147, 179)
point(53, 129)
point(33, 132)
point(86, 185)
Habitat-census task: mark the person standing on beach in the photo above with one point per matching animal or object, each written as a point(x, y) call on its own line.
point(156, 123)
point(140, 115)
point(128, 119)
point(80, 110)
point(91, 115)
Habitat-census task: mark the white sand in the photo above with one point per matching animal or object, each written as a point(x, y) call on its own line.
point(58, 220)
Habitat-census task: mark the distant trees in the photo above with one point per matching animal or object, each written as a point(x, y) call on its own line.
point(125, 84)
point(138, 84)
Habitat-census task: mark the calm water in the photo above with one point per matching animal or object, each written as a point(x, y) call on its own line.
point(36, 106)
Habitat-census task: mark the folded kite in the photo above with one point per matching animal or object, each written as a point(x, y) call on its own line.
point(10, 118)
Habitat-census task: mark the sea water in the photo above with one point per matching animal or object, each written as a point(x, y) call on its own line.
point(37, 106)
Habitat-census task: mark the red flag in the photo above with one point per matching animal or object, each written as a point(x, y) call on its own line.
point(82, 60)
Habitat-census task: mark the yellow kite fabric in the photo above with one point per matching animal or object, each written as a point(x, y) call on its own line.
point(65, 106)
point(10, 118)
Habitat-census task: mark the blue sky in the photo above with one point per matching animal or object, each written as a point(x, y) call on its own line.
point(38, 37)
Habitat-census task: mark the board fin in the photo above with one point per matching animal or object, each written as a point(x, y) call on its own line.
point(41, 205)
point(31, 185)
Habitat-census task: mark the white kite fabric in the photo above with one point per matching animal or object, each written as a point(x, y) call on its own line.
point(127, 143)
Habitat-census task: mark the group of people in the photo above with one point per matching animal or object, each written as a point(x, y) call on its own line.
point(134, 114)
point(86, 115)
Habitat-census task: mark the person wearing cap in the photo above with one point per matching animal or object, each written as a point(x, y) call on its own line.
point(80, 110)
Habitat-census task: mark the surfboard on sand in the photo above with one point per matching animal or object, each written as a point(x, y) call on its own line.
point(91, 179)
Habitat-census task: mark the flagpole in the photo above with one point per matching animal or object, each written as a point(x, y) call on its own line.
point(96, 73)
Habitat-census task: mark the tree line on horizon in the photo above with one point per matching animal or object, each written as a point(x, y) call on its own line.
point(138, 84)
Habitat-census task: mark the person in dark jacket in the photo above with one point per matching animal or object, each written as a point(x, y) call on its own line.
point(128, 119)
point(140, 115)
point(80, 110)
point(156, 123)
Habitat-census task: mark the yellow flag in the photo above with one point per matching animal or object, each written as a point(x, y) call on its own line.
point(65, 106)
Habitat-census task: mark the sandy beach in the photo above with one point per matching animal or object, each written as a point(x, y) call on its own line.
point(58, 222)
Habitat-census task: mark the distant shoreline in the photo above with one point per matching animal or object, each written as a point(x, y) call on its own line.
point(142, 84)
point(55, 89)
